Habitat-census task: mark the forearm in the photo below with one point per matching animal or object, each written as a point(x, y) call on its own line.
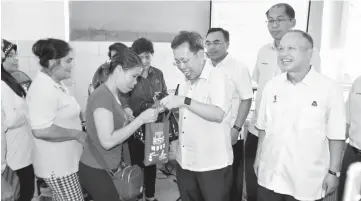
point(243, 110)
point(122, 134)
point(261, 136)
point(336, 152)
point(208, 112)
point(56, 134)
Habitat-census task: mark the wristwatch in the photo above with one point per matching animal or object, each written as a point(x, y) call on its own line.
point(336, 174)
point(187, 101)
point(237, 128)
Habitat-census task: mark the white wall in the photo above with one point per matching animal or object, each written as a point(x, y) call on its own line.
point(27, 21)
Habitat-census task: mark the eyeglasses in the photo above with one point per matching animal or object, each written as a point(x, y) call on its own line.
point(277, 21)
point(179, 62)
point(291, 49)
point(209, 43)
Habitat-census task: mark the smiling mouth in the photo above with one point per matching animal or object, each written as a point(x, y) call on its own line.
point(286, 61)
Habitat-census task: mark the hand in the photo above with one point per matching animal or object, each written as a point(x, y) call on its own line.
point(82, 137)
point(256, 165)
point(234, 135)
point(172, 101)
point(129, 113)
point(150, 115)
point(330, 184)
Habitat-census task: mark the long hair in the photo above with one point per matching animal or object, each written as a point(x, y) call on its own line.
point(11, 82)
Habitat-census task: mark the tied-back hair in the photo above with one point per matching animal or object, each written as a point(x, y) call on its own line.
point(12, 82)
point(50, 48)
point(126, 59)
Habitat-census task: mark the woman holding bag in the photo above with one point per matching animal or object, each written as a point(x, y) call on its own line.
point(108, 126)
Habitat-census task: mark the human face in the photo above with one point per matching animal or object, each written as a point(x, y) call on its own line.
point(278, 22)
point(189, 63)
point(216, 45)
point(294, 53)
point(127, 79)
point(11, 62)
point(146, 59)
point(61, 68)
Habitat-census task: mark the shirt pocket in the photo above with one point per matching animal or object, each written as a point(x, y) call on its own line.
point(311, 116)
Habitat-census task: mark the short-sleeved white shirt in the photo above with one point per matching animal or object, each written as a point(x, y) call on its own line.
point(299, 120)
point(266, 68)
point(353, 114)
point(205, 145)
point(240, 84)
point(19, 142)
point(50, 103)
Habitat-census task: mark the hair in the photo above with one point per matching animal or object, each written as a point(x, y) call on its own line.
point(224, 32)
point(50, 48)
point(193, 38)
point(11, 81)
point(117, 47)
point(101, 75)
point(127, 60)
point(290, 12)
point(142, 45)
point(304, 35)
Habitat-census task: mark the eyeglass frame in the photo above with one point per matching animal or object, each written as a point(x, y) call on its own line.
point(184, 62)
point(278, 21)
point(216, 43)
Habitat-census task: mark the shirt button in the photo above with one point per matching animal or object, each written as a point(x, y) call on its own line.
point(184, 117)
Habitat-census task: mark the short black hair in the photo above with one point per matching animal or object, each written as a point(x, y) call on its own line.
point(290, 12)
point(142, 45)
point(117, 47)
point(193, 38)
point(224, 32)
point(305, 35)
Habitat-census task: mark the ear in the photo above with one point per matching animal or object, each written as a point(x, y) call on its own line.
point(293, 23)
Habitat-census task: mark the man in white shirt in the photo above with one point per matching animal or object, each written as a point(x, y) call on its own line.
point(302, 127)
point(217, 43)
point(280, 19)
point(204, 155)
point(353, 132)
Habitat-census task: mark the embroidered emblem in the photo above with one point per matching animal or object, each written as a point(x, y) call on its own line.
point(314, 103)
point(275, 98)
point(358, 93)
point(264, 63)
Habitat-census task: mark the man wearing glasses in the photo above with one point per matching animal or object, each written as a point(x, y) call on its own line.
point(302, 124)
point(204, 155)
point(280, 19)
point(217, 43)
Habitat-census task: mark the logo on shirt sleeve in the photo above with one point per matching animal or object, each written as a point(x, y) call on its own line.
point(275, 98)
point(314, 103)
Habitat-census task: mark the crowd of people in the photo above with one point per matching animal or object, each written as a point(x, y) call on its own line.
point(294, 148)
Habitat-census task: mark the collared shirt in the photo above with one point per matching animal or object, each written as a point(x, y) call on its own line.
point(19, 140)
point(353, 108)
point(240, 84)
point(299, 120)
point(266, 68)
point(51, 103)
point(144, 90)
point(205, 145)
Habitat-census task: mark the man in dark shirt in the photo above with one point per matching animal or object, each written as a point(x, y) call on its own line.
point(150, 85)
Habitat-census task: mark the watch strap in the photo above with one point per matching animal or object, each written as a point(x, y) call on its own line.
point(336, 174)
point(239, 129)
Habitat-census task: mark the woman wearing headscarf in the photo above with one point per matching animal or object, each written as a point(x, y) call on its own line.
point(19, 142)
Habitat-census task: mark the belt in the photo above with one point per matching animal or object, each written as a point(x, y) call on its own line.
point(357, 151)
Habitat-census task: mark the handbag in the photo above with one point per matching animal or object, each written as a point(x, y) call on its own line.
point(156, 144)
point(127, 179)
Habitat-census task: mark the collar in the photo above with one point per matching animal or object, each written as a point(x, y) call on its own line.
point(308, 80)
point(207, 69)
point(49, 80)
